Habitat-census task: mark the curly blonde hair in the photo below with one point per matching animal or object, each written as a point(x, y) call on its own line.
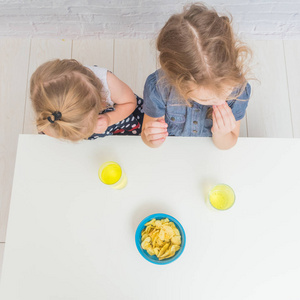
point(198, 48)
point(67, 87)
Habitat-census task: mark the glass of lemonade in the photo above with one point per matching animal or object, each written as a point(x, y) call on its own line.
point(111, 174)
point(221, 196)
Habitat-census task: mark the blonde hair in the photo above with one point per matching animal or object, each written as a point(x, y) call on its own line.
point(198, 48)
point(67, 87)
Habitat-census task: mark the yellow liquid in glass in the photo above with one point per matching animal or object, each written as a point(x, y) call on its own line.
point(221, 197)
point(111, 174)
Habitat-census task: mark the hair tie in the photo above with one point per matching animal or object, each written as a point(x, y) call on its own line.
point(57, 116)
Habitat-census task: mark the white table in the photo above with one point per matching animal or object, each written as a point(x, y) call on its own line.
point(71, 237)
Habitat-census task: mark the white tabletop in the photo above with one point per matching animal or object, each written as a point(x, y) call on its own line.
point(71, 237)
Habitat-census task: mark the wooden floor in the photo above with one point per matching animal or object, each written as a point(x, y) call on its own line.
point(273, 111)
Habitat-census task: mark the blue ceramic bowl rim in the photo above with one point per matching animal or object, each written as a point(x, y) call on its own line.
point(138, 238)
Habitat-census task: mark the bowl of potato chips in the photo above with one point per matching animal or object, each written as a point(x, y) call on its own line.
point(160, 239)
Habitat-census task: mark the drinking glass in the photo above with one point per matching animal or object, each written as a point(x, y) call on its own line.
point(111, 174)
point(221, 197)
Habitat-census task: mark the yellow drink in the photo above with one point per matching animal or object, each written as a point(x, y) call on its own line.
point(221, 196)
point(111, 173)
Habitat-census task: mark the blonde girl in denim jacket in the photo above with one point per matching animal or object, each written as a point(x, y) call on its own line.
point(201, 88)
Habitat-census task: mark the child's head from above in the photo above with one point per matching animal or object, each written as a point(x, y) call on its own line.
point(66, 97)
point(200, 55)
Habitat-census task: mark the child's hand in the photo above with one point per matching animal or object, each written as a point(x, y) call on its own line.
point(223, 120)
point(102, 123)
point(155, 132)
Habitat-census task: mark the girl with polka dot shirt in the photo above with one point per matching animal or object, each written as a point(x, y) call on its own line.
point(76, 102)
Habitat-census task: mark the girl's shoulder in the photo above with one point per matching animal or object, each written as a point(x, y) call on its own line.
point(157, 77)
point(157, 85)
point(242, 92)
point(152, 80)
point(101, 73)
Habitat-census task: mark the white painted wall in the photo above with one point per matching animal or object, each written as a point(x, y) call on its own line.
point(139, 18)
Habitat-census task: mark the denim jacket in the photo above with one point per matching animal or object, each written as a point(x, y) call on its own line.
point(161, 99)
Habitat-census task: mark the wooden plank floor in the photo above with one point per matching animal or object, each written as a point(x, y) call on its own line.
point(269, 114)
point(1, 256)
point(292, 59)
point(273, 110)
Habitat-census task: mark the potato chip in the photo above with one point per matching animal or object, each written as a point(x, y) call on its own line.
point(176, 240)
point(152, 222)
point(159, 242)
point(146, 243)
point(156, 251)
point(163, 249)
point(171, 224)
point(144, 236)
point(176, 247)
point(161, 238)
point(171, 252)
point(150, 251)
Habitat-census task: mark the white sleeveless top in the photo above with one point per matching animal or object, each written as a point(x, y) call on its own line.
point(101, 73)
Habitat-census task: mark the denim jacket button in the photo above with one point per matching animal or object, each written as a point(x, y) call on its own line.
point(194, 131)
point(195, 122)
point(172, 119)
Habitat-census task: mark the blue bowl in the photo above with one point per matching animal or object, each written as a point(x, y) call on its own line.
point(153, 258)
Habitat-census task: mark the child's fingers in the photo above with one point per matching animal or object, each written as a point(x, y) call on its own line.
point(218, 117)
point(154, 130)
point(231, 116)
point(227, 108)
point(154, 137)
point(228, 111)
point(155, 127)
point(213, 119)
point(158, 142)
point(229, 119)
point(215, 127)
point(157, 124)
point(215, 124)
point(225, 115)
point(224, 119)
point(100, 128)
point(161, 119)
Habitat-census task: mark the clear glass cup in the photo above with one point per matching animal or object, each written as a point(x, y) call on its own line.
point(111, 174)
point(221, 197)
